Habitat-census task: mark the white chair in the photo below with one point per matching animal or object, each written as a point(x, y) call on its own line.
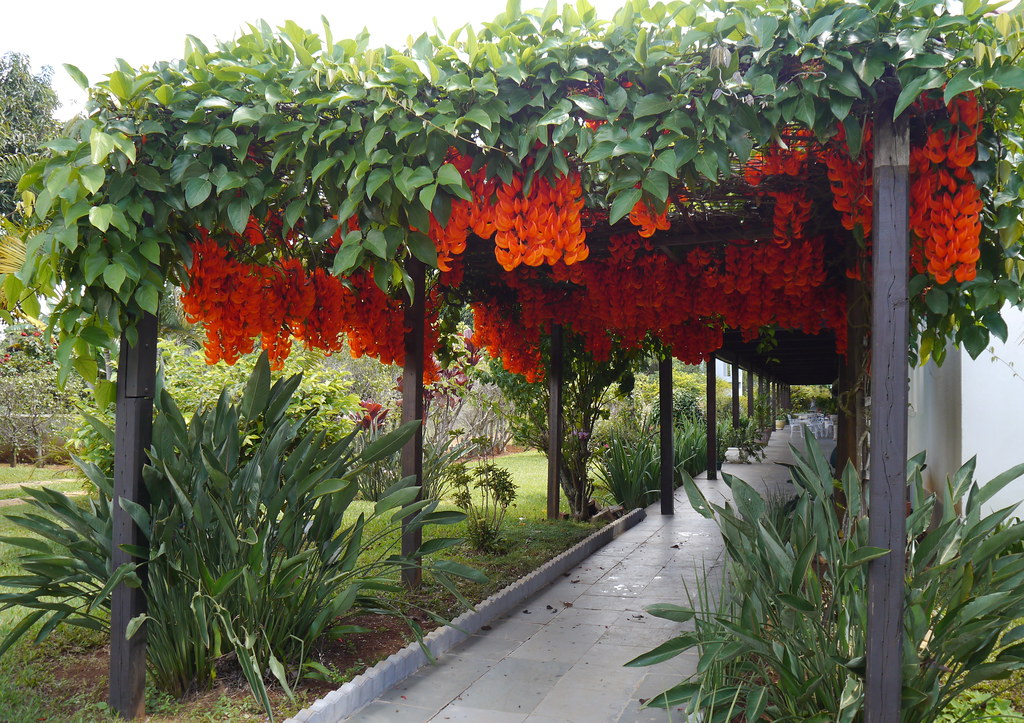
point(796, 428)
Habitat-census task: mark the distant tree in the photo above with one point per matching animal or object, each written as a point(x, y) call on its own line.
point(27, 105)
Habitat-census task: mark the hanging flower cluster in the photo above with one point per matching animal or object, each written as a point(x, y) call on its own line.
point(542, 226)
point(687, 305)
point(648, 220)
point(239, 303)
point(945, 203)
point(850, 179)
point(792, 208)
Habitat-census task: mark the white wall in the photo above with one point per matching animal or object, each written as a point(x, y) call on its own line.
point(992, 397)
point(935, 418)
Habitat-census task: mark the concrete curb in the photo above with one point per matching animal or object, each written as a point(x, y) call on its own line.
point(353, 695)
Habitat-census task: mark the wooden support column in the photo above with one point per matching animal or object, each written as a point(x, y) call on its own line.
point(852, 376)
point(412, 407)
point(555, 431)
point(666, 425)
point(712, 422)
point(735, 396)
point(133, 435)
point(761, 397)
point(748, 387)
point(890, 333)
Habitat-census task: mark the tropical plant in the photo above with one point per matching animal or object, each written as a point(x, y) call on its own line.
point(629, 469)
point(690, 447)
point(789, 635)
point(257, 555)
point(485, 494)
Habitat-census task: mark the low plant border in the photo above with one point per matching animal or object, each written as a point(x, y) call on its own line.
point(364, 688)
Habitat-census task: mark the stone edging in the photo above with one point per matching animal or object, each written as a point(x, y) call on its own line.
point(362, 689)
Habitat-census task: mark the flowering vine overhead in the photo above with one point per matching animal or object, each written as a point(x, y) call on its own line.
point(676, 172)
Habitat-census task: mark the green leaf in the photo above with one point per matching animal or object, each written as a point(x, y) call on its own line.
point(99, 216)
point(479, 116)
point(665, 651)
point(671, 612)
point(77, 75)
point(197, 190)
point(652, 104)
point(937, 301)
point(114, 276)
point(422, 247)
point(975, 339)
point(962, 82)
point(865, 554)
point(623, 204)
point(466, 572)
point(101, 145)
point(92, 178)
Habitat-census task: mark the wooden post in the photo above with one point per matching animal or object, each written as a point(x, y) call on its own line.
point(712, 423)
point(852, 375)
point(749, 389)
point(762, 399)
point(735, 396)
point(133, 434)
point(555, 431)
point(666, 424)
point(412, 407)
point(890, 332)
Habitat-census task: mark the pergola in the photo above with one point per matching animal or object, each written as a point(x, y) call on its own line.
point(678, 147)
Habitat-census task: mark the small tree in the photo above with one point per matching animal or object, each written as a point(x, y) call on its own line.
point(34, 410)
point(589, 385)
point(27, 104)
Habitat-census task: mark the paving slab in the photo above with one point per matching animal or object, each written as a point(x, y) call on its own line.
point(558, 657)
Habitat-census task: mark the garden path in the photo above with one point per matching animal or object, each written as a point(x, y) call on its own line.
point(559, 658)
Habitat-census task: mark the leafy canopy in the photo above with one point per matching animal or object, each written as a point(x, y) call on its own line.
point(323, 129)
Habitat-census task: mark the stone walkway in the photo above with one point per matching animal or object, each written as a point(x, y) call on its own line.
point(559, 658)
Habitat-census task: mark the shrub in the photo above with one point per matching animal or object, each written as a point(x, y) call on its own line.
point(629, 469)
point(485, 493)
point(690, 445)
point(788, 639)
point(247, 554)
point(324, 395)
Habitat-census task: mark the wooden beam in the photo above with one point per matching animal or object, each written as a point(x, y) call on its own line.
point(666, 424)
point(890, 334)
point(555, 431)
point(749, 233)
point(735, 395)
point(412, 407)
point(749, 388)
point(712, 423)
point(133, 435)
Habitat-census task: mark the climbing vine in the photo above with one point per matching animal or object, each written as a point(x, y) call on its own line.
point(286, 176)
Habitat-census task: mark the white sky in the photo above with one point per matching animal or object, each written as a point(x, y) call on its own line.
point(91, 35)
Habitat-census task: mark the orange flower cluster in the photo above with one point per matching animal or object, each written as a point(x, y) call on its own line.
point(790, 216)
point(520, 352)
point(540, 227)
point(219, 294)
point(648, 220)
point(240, 302)
point(850, 179)
point(792, 208)
point(687, 305)
point(945, 203)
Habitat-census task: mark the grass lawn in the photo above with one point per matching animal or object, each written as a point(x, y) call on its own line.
point(23, 473)
point(68, 487)
point(30, 690)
